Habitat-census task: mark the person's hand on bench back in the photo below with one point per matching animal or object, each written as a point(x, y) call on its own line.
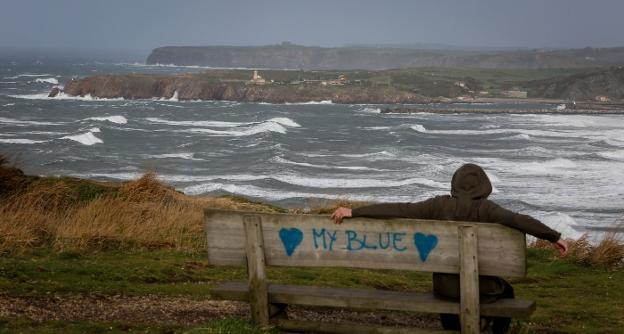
point(339, 214)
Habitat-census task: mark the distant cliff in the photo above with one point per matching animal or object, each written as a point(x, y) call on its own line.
point(306, 57)
point(198, 87)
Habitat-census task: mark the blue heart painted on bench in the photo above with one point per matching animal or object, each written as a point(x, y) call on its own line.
point(425, 244)
point(291, 238)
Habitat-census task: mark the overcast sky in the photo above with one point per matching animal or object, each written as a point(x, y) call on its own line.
point(146, 24)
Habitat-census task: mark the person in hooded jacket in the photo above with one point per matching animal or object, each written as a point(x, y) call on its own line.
point(468, 201)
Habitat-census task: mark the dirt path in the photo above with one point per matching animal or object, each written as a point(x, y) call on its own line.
point(178, 310)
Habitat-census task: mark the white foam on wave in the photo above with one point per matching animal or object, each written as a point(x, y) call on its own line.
point(19, 122)
point(185, 156)
point(369, 110)
point(52, 81)
point(27, 75)
point(8, 104)
point(376, 128)
point(310, 102)
point(87, 138)
point(263, 127)
point(118, 119)
point(305, 164)
point(8, 82)
point(211, 124)
point(21, 141)
point(381, 154)
point(521, 133)
point(276, 124)
point(277, 195)
point(63, 96)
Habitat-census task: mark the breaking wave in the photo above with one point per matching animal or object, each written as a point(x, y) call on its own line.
point(305, 164)
point(113, 119)
point(19, 122)
point(63, 96)
point(52, 81)
point(87, 138)
point(27, 75)
point(21, 141)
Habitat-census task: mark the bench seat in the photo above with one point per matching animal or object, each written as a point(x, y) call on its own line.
point(369, 299)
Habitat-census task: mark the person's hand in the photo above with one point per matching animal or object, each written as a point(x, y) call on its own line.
point(562, 247)
point(339, 214)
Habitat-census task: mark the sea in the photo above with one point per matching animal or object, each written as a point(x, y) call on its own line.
point(565, 170)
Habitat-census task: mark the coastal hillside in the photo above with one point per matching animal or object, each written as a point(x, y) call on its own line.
point(290, 56)
point(581, 86)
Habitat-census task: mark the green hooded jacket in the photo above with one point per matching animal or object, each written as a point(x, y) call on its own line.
point(468, 201)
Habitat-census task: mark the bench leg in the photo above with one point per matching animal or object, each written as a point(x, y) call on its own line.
point(258, 290)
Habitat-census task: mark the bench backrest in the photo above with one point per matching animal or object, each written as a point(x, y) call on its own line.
point(407, 244)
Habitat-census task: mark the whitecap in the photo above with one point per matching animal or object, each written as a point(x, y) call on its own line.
point(284, 121)
point(613, 155)
point(185, 156)
point(305, 164)
point(19, 122)
point(8, 104)
point(310, 102)
point(212, 124)
point(21, 141)
point(264, 127)
point(63, 96)
point(27, 75)
point(52, 81)
point(87, 138)
point(113, 119)
point(369, 110)
point(276, 195)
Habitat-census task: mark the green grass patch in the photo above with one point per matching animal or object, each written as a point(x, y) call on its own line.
point(571, 298)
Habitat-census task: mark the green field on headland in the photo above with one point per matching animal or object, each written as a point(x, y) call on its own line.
point(83, 256)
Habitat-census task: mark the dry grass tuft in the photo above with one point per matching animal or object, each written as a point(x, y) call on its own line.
point(608, 253)
point(72, 214)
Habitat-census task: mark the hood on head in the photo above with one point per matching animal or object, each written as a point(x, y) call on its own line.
point(470, 181)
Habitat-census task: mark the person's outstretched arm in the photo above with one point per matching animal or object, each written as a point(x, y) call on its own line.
point(526, 224)
point(420, 210)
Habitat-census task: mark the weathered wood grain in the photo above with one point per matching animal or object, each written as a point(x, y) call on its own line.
point(369, 299)
point(469, 279)
point(258, 291)
point(501, 250)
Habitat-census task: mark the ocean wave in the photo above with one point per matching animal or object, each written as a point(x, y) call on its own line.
point(276, 124)
point(521, 132)
point(210, 124)
point(185, 156)
point(21, 141)
point(381, 154)
point(369, 110)
point(310, 102)
point(27, 75)
point(52, 81)
point(87, 138)
point(305, 164)
point(8, 82)
point(277, 195)
point(264, 127)
point(118, 119)
point(19, 122)
point(63, 96)
point(560, 222)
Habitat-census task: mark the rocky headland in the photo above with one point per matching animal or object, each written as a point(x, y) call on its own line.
point(196, 87)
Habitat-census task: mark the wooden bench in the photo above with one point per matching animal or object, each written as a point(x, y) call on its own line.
point(261, 239)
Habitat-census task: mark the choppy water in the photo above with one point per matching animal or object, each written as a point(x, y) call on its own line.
point(567, 170)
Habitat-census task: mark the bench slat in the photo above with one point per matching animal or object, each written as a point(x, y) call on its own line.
point(370, 299)
point(306, 241)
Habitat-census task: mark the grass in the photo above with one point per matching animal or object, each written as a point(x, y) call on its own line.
point(571, 297)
